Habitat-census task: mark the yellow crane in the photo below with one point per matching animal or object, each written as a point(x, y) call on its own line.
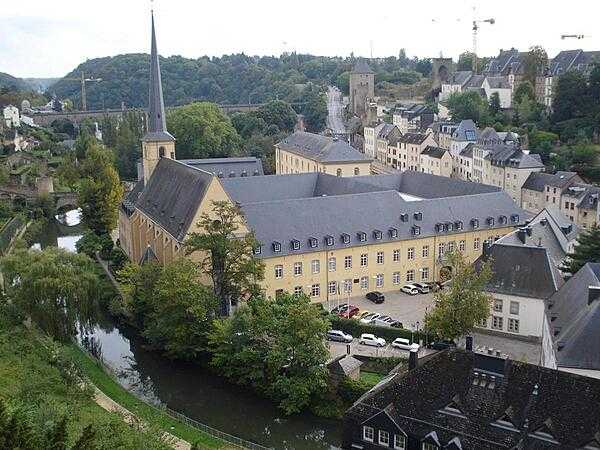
point(83, 80)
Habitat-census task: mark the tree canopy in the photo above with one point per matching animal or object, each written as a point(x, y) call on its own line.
point(468, 105)
point(587, 249)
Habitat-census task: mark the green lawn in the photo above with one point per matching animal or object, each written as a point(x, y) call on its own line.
point(371, 378)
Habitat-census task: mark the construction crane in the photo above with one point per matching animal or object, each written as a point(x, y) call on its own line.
point(83, 80)
point(476, 23)
point(572, 36)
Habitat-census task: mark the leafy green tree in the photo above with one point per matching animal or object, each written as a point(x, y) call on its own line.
point(466, 61)
point(423, 66)
point(463, 304)
point(495, 104)
point(202, 131)
point(84, 141)
point(4, 174)
point(55, 288)
point(4, 420)
point(534, 64)
point(468, 105)
point(100, 191)
point(227, 258)
point(571, 99)
point(343, 82)
point(181, 311)
point(525, 110)
point(314, 109)
point(19, 433)
point(68, 171)
point(280, 113)
point(139, 285)
point(276, 346)
point(587, 249)
point(524, 89)
point(248, 124)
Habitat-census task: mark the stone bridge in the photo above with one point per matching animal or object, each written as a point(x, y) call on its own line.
point(62, 199)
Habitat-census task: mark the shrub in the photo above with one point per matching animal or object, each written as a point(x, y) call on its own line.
point(351, 390)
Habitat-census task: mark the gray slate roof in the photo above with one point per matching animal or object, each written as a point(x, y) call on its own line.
point(434, 152)
point(413, 138)
point(467, 152)
point(576, 321)
point(498, 82)
point(362, 66)
point(344, 365)
point(321, 148)
point(466, 131)
point(228, 167)
point(537, 180)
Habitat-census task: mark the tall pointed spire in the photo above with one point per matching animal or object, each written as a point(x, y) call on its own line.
point(157, 126)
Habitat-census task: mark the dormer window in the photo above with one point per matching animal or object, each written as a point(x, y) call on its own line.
point(449, 226)
point(295, 244)
point(313, 242)
point(393, 233)
point(490, 221)
point(377, 235)
point(257, 250)
point(439, 227)
point(416, 230)
point(220, 175)
point(502, 220)
point(361, 236)
point(418, 216)
point(514, 218)
point(244, 173)
point(475, 223)
point(329, 241)
point(458, 225)
point(276, 247)
point(404, 217)
point(345, 238)
point(231, 174)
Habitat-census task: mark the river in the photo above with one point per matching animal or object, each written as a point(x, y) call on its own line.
point(190, 389)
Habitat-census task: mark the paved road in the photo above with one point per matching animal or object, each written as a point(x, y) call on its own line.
point(338, 348)
point(335, 118)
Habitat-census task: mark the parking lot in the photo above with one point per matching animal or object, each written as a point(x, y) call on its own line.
point(339, 348)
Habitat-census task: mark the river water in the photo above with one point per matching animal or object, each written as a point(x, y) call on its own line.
point(190, 389)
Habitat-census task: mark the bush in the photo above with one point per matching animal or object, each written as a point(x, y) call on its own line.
point(355, 328)
point(117, 258)
point(89, 244)
point(351, 390)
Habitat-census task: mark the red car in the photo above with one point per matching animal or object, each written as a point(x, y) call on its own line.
point(349, 312)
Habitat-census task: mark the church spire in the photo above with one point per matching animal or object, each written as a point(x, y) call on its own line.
point(157, 127)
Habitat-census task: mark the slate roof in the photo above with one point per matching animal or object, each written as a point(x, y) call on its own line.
point(506, 61)
point(344, 365)
point(537, 180)
point(385, 130)
point(321, 148)
point(228, 167)
point(460, 77)
point(413, 138)
point(572, 60)
point(529, 399)
point(498, 82)
point(467, 152)
point(588, 195)
point(577, 322)
point(173, 194)
point(131, 198)
point(362, 66)
point(434, 152)
point(466, 131)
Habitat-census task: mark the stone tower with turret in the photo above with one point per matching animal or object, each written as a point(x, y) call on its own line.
point(157, 143)
point(362, 87)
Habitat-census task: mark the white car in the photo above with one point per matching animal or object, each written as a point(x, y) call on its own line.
point(370, 318)
point(410, 289)
point(404, 344)
point(371, 339)
point(339, 336)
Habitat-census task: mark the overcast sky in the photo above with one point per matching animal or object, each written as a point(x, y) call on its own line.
point(41, 38)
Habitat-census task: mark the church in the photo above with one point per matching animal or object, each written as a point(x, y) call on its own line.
point(327, 236)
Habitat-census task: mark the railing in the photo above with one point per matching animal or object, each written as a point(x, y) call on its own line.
point(8, 233)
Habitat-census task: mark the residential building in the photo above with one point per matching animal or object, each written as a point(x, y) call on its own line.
point(464, 168)
point(387, 135)
point(466, 133)
point(574, 314)
point(485, 85)
point(454, 84)
point(465, 400)
point(509, 64)
point(11, 116)
point(406, 153)
point(436, 161)
point(499, 85)
point(362, 88)
point(443, 132)
point(303, 152)
point(413, 118)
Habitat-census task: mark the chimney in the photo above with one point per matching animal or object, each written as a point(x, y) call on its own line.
point(412, 359)
point(539, 242)
point(593, 294)
point(469, 343)
point(522, 235)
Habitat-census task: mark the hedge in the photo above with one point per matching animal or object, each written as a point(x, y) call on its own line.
point(355, 328)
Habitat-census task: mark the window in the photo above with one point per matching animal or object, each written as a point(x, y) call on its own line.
point(377, 235)
point(276, 247)
point(298, 290)
point(396, 255)
point(399, 442)
point(297, 269)
point(513, 325)
point(338, 172)
point(329, 241)
point(410, 275)
point(425, 274)
point(161, 152)
point(345, 238)
point(483, 323)
point(514, 308)
point(441, 248)
point(410, 254)
point(396, 278)
point(497, 305)
point(257, 250)
point(393, 233)
point(429, 446)
point(356, 171)
point(313, 243)
point(348, 286)
point(497, 323)
point(315, 266)
point(379, 257)
point(379, 280)
point(425, 251)
point(451, 246)
point(331, 264)
point(362, 237)
point(384, 438)
point(278, 271)
point(368, 434)
point(364, 282)
point(477, 244)
point(416, 230)
point(315, 290)
point(347, 262)
point(461, 246)
point(364, 260)
point(295, 244)
point(332, 287)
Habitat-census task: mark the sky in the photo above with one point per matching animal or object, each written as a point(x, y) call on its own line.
point(41, 38)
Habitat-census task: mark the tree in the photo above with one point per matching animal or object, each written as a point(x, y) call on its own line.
point(228, 260)
point(468, 105)
point(202, 131)
point(126, 144)
point(278, 113)
point(100, 191)
point(343, 82)
point(314, 109)
point(87, 440)
point(495, 104)
point(180, 312)
point(524, 89)
point(534, 64)
point(248, 124)
point(276, 346)
point(587, 249)
point(525, 110)
point(466, 61)
point(55, 288)
point(571, 99)
point(463, 304)
point(139, 283)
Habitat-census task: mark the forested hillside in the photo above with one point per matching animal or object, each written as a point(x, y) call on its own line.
point(227, 79)
point(9, 82)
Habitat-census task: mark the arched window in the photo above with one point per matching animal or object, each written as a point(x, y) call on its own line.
point(161, 152)
point(356, 171)
point(339, 172)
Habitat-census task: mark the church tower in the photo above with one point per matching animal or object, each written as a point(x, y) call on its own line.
point(157, 143)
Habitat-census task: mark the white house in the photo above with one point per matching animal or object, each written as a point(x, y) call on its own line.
point(11, 116)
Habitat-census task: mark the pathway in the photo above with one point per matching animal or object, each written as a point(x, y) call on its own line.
point(335, 109)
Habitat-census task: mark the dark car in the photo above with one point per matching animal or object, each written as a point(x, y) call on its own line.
point(441, 345)
point(339, 309)
point(375, 297)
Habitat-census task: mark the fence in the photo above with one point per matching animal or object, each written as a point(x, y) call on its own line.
point(9, 231)
point(213, 432)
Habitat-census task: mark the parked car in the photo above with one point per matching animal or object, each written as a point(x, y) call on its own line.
point(383, 322)
point(441, 345)
point(375, 297)
point(338, 309)
point(349, 312)
point(397, 324)
point(339, 336)
point(369, 318)
point(362, 314)
point(422, 287)
point(410, 289)
point(371, 339)
point(404, 344)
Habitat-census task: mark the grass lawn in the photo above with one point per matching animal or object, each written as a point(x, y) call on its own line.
point(371, 378)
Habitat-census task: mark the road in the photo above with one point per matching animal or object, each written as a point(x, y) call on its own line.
point(335, 118)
